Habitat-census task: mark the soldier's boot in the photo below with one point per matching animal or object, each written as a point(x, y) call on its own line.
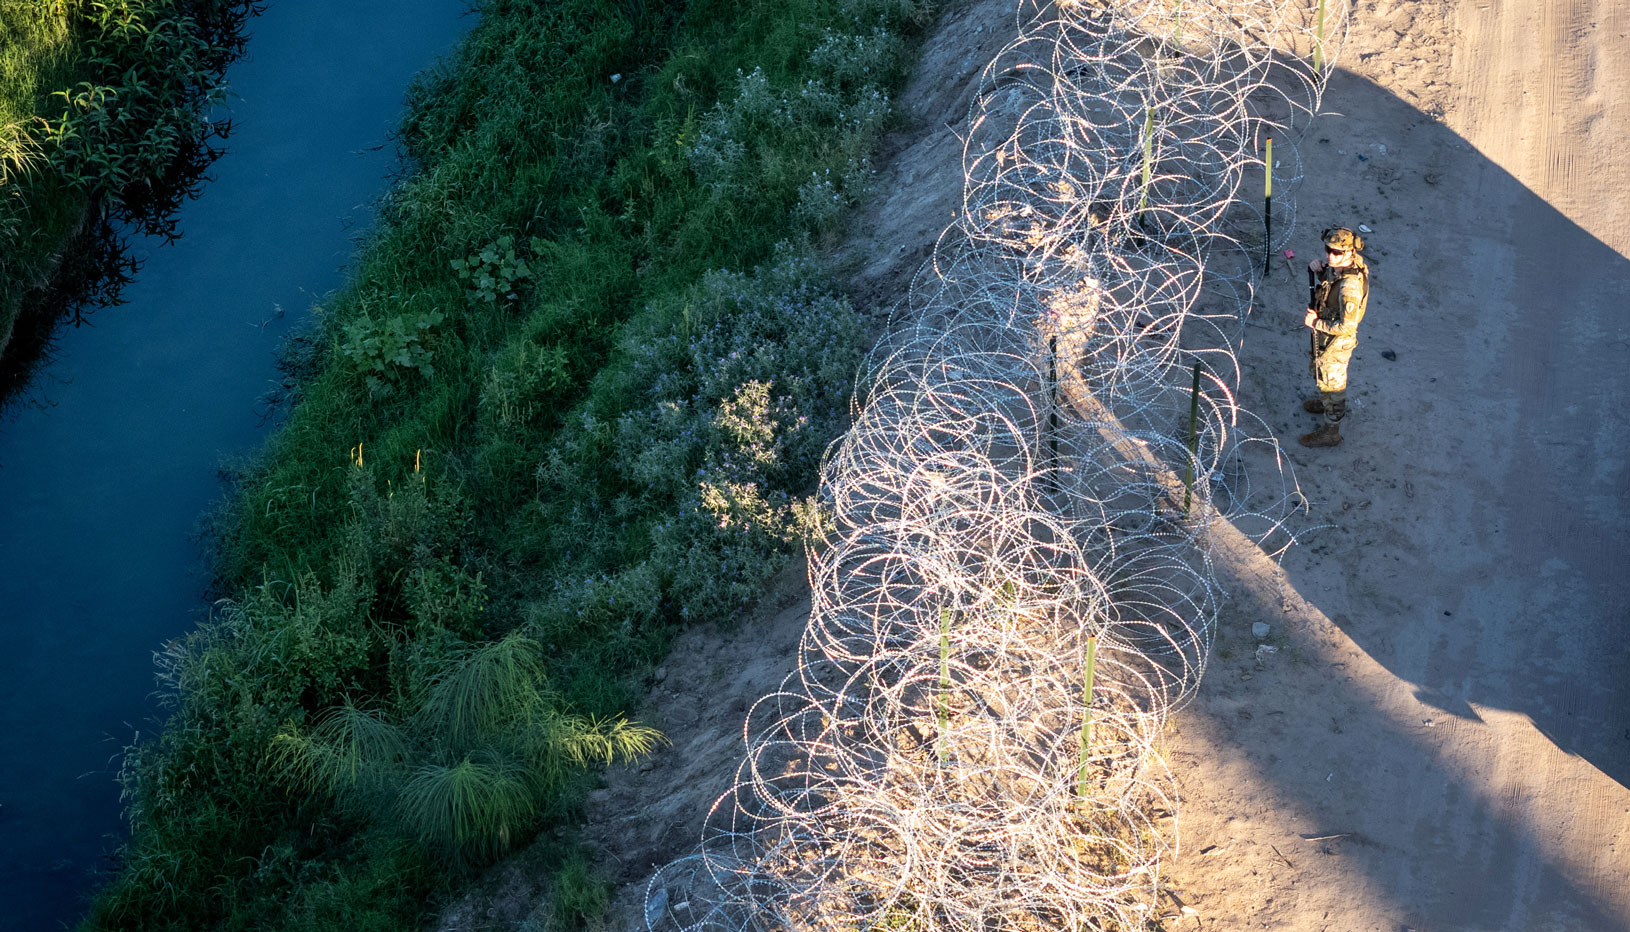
point(1313, 406)
point(1328, 434)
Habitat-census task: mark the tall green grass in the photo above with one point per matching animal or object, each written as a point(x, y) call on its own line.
point(100, 117)
point(35, 52)
point(574, 399)
point(468, 770)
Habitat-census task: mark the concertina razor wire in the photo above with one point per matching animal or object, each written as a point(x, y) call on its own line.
point(1016, 589)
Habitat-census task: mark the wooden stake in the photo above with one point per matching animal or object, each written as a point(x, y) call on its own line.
point(945, 681)
point(1318, 45)
point(1148, 155)
point(1052, 395)
point(1086, 717)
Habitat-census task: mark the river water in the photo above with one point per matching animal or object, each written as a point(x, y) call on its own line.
point(102, 487)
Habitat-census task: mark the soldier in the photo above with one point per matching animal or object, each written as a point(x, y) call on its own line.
point(1338, 293)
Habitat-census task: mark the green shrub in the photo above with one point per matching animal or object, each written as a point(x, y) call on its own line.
point(384, 887)
point(444, 596)
point(739, 400)
point(155, 71)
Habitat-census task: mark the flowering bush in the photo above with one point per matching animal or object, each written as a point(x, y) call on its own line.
point(739, 143)
point(741, 399)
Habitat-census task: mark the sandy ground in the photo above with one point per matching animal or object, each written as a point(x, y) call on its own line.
point(1442, 739)
point(1451, 697)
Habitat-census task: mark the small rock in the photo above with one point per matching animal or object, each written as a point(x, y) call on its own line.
point(656, 906)
point(615, 78)
point(1389, 355)
point(659, 675)
point(1260, 629)
point(1364, 229)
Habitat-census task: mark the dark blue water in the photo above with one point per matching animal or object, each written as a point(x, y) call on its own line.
point(101, 491)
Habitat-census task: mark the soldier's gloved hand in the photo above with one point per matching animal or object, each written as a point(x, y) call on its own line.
point(1310, 317)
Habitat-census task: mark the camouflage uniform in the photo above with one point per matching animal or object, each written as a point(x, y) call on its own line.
point(1340, 296)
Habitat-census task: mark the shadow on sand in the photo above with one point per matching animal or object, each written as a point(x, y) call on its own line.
point(1449, 702)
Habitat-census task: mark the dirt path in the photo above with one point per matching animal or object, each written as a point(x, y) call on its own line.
point(1447, 711)
point(1451, 697)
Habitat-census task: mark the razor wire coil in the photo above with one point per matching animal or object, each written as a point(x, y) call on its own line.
point(1017, 590)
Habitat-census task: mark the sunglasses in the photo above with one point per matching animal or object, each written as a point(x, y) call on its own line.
point(1334, 252)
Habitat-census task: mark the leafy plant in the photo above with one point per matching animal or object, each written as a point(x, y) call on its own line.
point(495, 272)
point(384, 350)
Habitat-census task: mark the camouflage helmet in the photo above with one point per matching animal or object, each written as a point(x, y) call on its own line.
point(1342, 239)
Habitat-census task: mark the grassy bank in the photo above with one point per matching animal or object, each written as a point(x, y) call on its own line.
point(100, 106)
point(570, 402)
